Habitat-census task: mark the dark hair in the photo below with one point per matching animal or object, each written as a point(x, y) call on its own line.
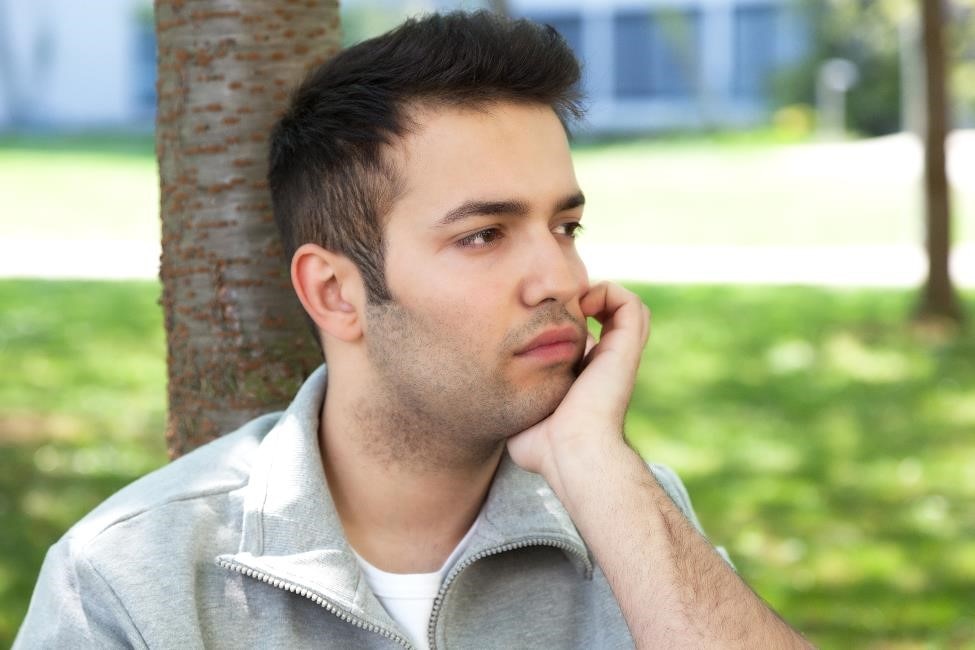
point(330, 181)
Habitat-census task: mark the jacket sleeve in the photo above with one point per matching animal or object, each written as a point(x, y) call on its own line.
point(675, 489)
point(73, 607)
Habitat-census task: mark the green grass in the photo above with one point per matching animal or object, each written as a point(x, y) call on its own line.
point(753, 190)
point(79, 188)
point(82, 399)
point(828, 448)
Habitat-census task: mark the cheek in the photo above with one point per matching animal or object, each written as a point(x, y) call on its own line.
point(469, 322)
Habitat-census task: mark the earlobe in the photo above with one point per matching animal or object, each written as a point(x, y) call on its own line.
point(327, 284)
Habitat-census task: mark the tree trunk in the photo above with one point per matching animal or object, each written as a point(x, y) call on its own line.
point(237, 342)
point(938, 301)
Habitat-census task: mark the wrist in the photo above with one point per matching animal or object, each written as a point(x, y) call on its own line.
point(580, 464)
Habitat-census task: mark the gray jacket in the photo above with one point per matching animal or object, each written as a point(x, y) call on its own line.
point(238, 544)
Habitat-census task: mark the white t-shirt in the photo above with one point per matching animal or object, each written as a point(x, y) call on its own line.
point(408, 597)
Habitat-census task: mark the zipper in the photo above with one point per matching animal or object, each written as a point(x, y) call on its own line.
point(315, 598)
point(534, 541)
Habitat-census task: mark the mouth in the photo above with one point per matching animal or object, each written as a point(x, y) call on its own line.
point(553, 345)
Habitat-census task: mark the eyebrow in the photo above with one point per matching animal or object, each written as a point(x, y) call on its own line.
point(512, 208)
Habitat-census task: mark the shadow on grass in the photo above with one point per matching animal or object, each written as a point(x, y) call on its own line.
point(828, 448)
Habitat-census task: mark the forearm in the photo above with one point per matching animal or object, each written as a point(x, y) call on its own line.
point(672, 586)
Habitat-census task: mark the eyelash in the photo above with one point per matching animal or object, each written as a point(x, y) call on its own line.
point(469, 240)
point(572, 230)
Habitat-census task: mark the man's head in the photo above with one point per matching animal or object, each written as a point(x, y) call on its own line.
point(331, 181)
point(425, 186)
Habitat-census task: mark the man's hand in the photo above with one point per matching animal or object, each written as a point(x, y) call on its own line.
point(592, 412)
point(674, 590)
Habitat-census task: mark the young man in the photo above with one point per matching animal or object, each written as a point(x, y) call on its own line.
point(460, 478)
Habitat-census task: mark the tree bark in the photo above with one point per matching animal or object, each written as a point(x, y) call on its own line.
point(938, 300)
point(237, 342)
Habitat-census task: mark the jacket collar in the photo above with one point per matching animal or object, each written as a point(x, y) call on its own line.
point(292, 531)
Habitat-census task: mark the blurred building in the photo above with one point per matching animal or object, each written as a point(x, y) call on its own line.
point(675, 64)
point(648, 64)
point(68, 65)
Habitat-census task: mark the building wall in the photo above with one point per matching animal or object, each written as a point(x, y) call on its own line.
point(76, 64)
point(672, 64)
point(648, 64)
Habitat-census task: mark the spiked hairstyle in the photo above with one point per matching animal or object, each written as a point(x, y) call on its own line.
point(331, 183)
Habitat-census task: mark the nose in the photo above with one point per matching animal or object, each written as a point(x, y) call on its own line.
point(553, 271)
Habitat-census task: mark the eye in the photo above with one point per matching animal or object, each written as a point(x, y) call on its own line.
point(570, 229)
point(481, 238)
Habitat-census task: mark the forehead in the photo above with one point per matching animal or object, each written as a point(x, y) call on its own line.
point(501, 151)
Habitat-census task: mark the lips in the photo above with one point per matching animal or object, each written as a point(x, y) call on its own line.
point(552, 339)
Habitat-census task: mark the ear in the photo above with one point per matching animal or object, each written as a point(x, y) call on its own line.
point(330, 289)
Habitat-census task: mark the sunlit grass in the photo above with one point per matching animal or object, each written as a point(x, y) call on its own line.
point(80, 188)
point(763, 193)
point(714, 190)
point(829, 449)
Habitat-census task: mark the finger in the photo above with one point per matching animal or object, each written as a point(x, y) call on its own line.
point(593, 301)
point(604, 299)
point(587, 355)
point(615, 308)
point(647, 319)
point(625, 324)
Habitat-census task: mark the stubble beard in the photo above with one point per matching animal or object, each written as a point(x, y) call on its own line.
point(436, 405)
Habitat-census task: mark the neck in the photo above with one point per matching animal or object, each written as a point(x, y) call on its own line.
point(405, 497)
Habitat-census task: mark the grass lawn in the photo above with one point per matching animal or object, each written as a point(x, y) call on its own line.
point(82, 188)
point(737, 191)
point(82, 399)
point(826, 447)
point(759, 193)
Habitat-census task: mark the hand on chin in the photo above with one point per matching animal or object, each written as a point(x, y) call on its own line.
point(590, 415)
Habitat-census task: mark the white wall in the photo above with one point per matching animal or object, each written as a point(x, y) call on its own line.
point(73, 61)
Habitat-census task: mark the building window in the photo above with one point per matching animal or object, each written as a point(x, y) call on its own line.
point(657, 54)
point(144, 64)
point(755, 53)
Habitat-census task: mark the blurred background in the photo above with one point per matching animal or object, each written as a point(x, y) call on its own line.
point(753, 168)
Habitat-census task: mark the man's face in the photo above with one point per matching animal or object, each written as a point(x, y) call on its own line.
point(481, 261)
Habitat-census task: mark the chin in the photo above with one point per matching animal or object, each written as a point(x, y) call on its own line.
point(542, 402)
